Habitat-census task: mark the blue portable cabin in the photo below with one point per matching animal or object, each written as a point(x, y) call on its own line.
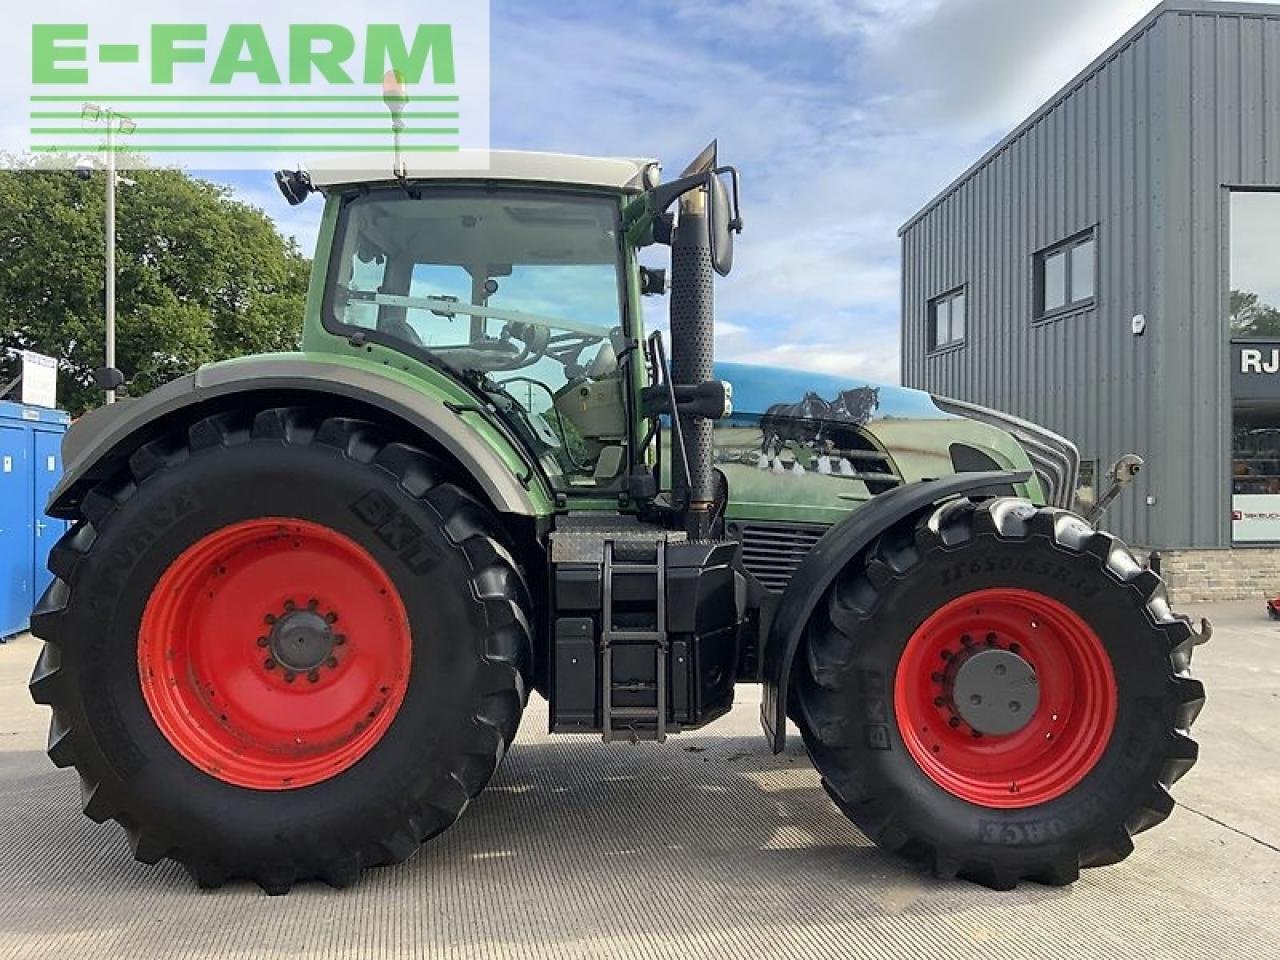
point(30, 465)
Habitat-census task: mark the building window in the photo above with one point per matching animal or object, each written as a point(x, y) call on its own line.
point(947, 319)
point(1253, 318)
point(1066, 275)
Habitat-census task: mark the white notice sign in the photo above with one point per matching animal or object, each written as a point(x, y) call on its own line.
point(39, 380)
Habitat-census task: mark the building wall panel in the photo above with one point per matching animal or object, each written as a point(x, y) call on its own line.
point(1141, 146)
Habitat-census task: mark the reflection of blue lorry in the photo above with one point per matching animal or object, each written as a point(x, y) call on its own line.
point(306, 596)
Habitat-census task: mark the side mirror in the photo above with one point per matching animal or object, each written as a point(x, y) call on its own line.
point(722, 224)
point(723, 219)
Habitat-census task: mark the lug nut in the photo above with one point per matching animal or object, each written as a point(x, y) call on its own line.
point(290, 605)
point(991, 639)
point(314, 676)
point(269, 619)
point(967, 640)
point(954, 721)
point(330, 617)
point(331, 663)
point(340, 639)
point(262, 641)
point(938, 701)
point(269, 663)
point(290, 676)
point(312, 603)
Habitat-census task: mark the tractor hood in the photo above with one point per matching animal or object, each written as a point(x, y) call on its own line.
point(757, 390)
point(804, 446)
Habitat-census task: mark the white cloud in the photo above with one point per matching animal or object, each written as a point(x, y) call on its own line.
point(977, 66)
point(875, 363)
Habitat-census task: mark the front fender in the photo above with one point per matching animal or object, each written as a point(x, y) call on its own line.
point(96, 443)
point(838, 546)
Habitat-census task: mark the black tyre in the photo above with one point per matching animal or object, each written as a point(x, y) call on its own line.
point(1001, 692)
point(281, 647)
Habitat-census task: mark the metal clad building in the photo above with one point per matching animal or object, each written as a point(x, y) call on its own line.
point(1113, 201)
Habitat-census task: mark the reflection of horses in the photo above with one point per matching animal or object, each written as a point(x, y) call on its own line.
point(814, 421)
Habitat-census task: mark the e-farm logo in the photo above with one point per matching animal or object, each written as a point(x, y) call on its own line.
point(205, 91)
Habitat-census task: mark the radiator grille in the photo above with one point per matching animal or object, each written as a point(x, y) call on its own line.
point(772, 551)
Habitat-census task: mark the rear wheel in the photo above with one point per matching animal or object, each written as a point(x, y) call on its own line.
point(282, 647)
point(1000, 691)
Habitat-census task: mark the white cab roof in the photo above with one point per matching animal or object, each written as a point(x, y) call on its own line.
point(617, 173)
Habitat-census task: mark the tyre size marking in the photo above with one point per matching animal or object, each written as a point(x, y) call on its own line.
point(397, 530)
point(874, 699)
point(1059, 573)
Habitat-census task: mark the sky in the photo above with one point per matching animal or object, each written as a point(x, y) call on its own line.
point(843, 116)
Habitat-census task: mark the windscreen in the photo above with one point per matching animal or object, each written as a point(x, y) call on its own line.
point(516, 292)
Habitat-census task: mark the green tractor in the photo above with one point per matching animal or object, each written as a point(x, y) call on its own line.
point(306, 596)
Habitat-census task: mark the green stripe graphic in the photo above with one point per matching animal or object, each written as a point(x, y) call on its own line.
point(249, 148)
point(290, 115)
point(252, 131)
point(230, 98)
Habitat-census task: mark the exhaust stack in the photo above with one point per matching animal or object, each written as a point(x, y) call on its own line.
point(692, 353)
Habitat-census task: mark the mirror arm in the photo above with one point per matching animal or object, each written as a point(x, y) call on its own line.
point(735, 223)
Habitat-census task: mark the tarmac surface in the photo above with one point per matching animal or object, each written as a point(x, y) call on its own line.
point(706, 846)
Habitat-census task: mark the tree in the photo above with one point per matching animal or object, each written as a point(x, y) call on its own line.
point(1250, 317)
point(200, 277)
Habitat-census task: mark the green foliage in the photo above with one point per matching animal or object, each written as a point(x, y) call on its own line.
point(199, 277)
point(1250, 317)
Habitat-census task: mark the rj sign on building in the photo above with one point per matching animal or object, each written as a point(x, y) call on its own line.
point(246, 85)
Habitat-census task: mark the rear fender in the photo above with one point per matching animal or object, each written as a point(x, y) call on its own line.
point(838, 547)
point(99, 441)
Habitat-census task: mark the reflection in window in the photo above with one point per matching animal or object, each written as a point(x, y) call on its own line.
point(1255, 265)
point(1254, 322)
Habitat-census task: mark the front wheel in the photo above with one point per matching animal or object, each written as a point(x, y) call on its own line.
point(1000, 691)
point(282, 646)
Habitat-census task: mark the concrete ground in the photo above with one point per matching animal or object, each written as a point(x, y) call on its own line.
point(707, 847)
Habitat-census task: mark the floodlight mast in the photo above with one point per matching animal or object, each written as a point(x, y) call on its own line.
point(93, 113)
point(396, 97)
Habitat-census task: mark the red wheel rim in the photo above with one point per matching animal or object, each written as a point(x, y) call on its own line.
point(1061, 741)
point(274, 653)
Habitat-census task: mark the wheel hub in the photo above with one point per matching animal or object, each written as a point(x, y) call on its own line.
point(301, 640)
point(996, 692)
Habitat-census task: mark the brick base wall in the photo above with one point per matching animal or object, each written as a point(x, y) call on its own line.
point(1198, 575)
